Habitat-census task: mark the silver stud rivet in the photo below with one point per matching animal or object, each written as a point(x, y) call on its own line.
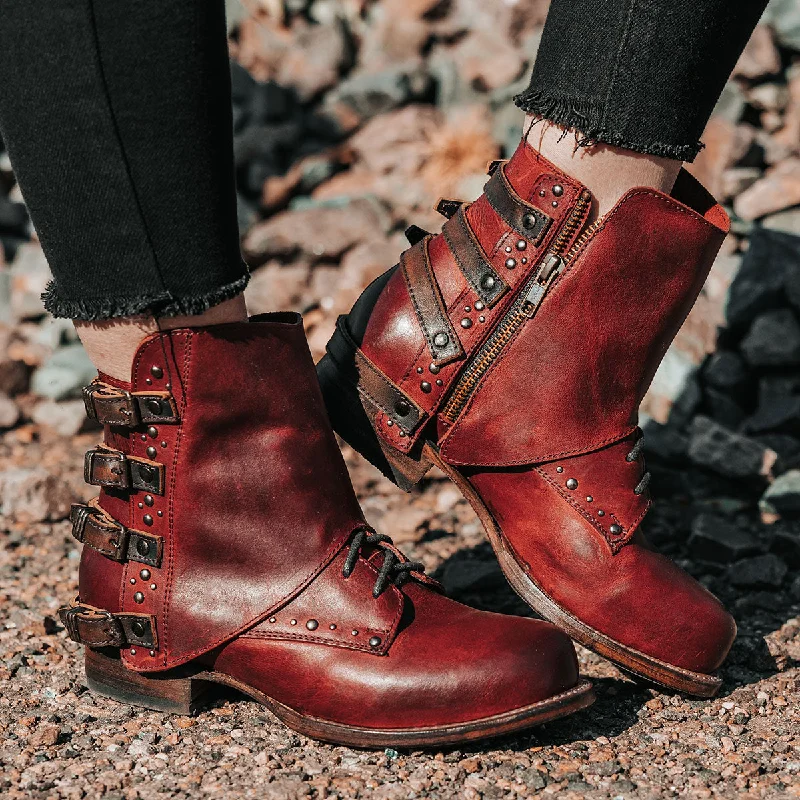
point(467, 309)
point(148, 520)
point(163, 444)
point(488, 282)
point(589, 498)
point(601, 513)
point(133, 651)
point(466, 322)
point(145, 574)
point(293, 622)
point(402, 434)
point(332, 626)
point(141, 505)
point(615, 529)
point(524, 260)
point(152, 653)
point(144, 438)
point(160, 513)
point(390, 422)
point(510, 263)
point(354, 633)
point(133, 581)
point(143, 547)
point(522, 245)
point(425, 386)
point(154, 406)
point(402, 408)
point(555, 203)
point(153, 586)
point(312, 624)
point(559, 469)
point(272, 619)
point(509, 249)
point(434, 370)
point(167, 385)
point(542, 192)
point(419, 370)
point(481, 318)
point(148, 381)
point(374, 641)
point(138, 598)
point(157, 372)
point(441, 339)
point(479, 306)
point(152, 432)
point(558, 190)
point(148, 500)
point(151, 452)
point(571, 483)
point(439, 382)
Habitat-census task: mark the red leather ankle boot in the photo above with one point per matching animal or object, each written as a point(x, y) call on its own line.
point(513, 350)
point(227, 546)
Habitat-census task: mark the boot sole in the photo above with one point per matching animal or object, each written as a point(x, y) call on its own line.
point(187, 693)
point(341, 399)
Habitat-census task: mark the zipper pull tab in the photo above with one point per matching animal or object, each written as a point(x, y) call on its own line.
point(536, 291)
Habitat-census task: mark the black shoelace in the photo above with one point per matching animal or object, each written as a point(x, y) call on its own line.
point(633, 456)
point(394, 570)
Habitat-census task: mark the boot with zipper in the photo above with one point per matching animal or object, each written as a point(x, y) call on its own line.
point(227, 547)
point(512, 350)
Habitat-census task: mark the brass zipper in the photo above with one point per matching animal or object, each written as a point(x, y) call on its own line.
point(522, 309)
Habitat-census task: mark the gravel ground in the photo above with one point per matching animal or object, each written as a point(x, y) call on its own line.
point(58, 741)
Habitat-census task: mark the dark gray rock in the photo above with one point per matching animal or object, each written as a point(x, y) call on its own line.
point(758, 572)
point(786, 542)
point(760, 283)
point(725, 452)
point(773, 340)
point(717, 539)
point(777, 413)
point(726, 370)
point(783, 495)
point(370, 94)
point(665, 442)
point(722, 406)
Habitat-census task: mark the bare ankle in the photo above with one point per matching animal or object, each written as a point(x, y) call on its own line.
point(111, 344)
point(608, 172)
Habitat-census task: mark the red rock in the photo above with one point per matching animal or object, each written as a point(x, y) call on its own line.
point(320, 232)
point(760, 56)
point(778, 189)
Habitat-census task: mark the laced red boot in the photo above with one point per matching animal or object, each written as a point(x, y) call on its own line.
point(227, 547)
point(513, 350)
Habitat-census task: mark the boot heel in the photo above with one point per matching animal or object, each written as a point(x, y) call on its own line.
point(108, 677)
point(351, 422)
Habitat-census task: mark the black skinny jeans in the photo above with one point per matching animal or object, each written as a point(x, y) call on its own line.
point(117, 118)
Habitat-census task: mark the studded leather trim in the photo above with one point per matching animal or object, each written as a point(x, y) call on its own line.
point(104, 466)
point(378, 390)
point(527, 220)
point(472, 261)
point(94, 528)
point(426, 297)
point(96, 627)
point(112, 406)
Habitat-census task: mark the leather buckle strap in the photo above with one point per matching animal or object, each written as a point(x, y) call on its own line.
point(426, 297)
point(96, 627)
point(93, 527)
point(112, 406)
point(472, 261)
point(378, 389)
point(527, 220)
point(104, 466)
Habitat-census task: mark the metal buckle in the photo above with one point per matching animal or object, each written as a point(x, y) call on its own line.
point(69, 616)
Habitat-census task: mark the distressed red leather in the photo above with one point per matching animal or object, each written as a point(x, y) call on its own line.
point(258, 519)
point(547, 436)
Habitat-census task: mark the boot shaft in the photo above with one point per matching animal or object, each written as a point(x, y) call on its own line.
point(225, 476)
